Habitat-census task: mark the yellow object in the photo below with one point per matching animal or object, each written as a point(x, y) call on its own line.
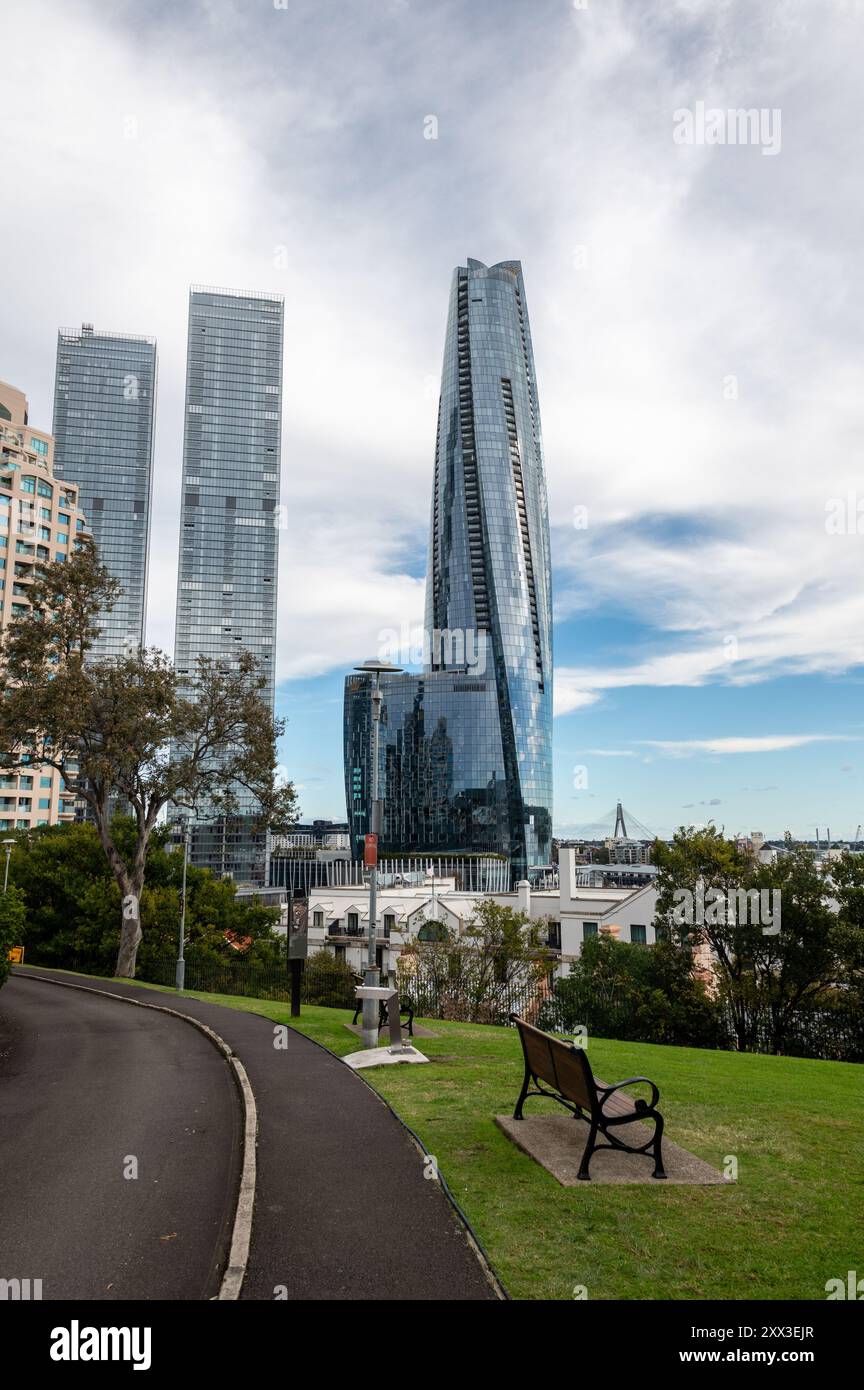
point(16, 955)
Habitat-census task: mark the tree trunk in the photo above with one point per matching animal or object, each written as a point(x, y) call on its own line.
point(130, 933)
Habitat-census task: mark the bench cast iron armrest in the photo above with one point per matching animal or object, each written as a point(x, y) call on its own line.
point(607, 1091)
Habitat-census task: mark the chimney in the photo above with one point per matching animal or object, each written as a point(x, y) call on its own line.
point(566, 872)
point(523, 896)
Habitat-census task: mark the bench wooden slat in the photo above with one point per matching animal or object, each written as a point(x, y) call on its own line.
point(618, 1104)
point(566, 1069)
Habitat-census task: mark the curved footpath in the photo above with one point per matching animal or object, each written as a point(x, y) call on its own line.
point(342, 1208)
point(90, 1088)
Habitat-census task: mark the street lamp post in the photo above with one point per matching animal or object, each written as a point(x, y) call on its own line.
point(370, 979)
point(180, 978)
point(8, 846)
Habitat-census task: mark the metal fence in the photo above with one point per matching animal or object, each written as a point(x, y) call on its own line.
point(323, 982)
point(303, 872)
point(834, 1034)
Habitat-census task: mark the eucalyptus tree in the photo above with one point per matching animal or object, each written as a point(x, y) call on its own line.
point(125, 729)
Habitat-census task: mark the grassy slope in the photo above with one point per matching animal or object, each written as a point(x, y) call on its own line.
point(794, 1219)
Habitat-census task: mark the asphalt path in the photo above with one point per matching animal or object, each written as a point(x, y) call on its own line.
point(345, 1206)
point(91, 1091)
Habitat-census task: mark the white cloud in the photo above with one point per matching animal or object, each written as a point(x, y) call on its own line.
point(611, 752)
point(768, 743)
point(284, 151)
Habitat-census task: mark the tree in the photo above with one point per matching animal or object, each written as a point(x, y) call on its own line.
point(847, 877)
point(645, 993)
point(128, 729)
point(73, 901)
point(13, 914)
point(772, 936)
point(471, 975)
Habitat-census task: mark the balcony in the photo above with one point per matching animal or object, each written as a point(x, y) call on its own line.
point(338, 931)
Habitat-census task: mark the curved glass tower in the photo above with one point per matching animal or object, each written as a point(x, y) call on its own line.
point(489, 568)
point(486, 692)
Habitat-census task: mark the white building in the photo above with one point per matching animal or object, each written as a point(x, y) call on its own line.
point(339, 916)
point(588, 909)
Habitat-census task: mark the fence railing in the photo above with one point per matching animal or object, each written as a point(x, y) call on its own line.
point(561, 1006)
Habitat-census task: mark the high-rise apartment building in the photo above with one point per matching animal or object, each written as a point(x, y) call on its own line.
point(39, 522)
point(229, 527)
point(466, 748)
point(104, 406)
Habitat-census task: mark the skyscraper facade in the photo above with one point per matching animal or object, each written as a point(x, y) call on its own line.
point(476, 728)
point(104, 405)
point(441, 770)
point(229, 528)
point(40, 522)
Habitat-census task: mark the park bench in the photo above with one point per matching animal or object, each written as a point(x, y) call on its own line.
point(566, 1069)
point(405, 1007)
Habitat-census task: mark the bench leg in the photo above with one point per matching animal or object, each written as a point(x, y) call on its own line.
point(584, 1175)
point(659, 1170)
point(517, 1113)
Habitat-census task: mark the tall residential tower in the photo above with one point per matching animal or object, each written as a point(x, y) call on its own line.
point(40, 522)
point(229, 531)
point(104, 404)
point(466, 748)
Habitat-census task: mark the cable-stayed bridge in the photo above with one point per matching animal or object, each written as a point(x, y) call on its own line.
point(617, 824)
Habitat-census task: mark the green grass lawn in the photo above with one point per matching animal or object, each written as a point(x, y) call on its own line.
point(794, 1219)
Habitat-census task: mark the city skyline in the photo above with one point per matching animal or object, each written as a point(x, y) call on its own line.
point(708, 625)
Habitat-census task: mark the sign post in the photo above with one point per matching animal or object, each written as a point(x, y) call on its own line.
point(297, 932)
point(371, 974)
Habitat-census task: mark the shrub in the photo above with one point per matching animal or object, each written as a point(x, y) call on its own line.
point(13, 916)
point(639, 994)
point(327, 980)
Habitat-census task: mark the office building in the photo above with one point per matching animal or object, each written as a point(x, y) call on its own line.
point(229, 525)
point(104, 405)
point(466, 748)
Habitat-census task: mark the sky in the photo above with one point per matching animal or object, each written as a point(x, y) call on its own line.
point(696, 313)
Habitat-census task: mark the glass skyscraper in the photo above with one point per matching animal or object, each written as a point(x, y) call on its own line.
point(229, 528)
point(466, 748)
point(104, 404)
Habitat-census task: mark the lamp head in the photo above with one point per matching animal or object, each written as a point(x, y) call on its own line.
point(373, 665)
